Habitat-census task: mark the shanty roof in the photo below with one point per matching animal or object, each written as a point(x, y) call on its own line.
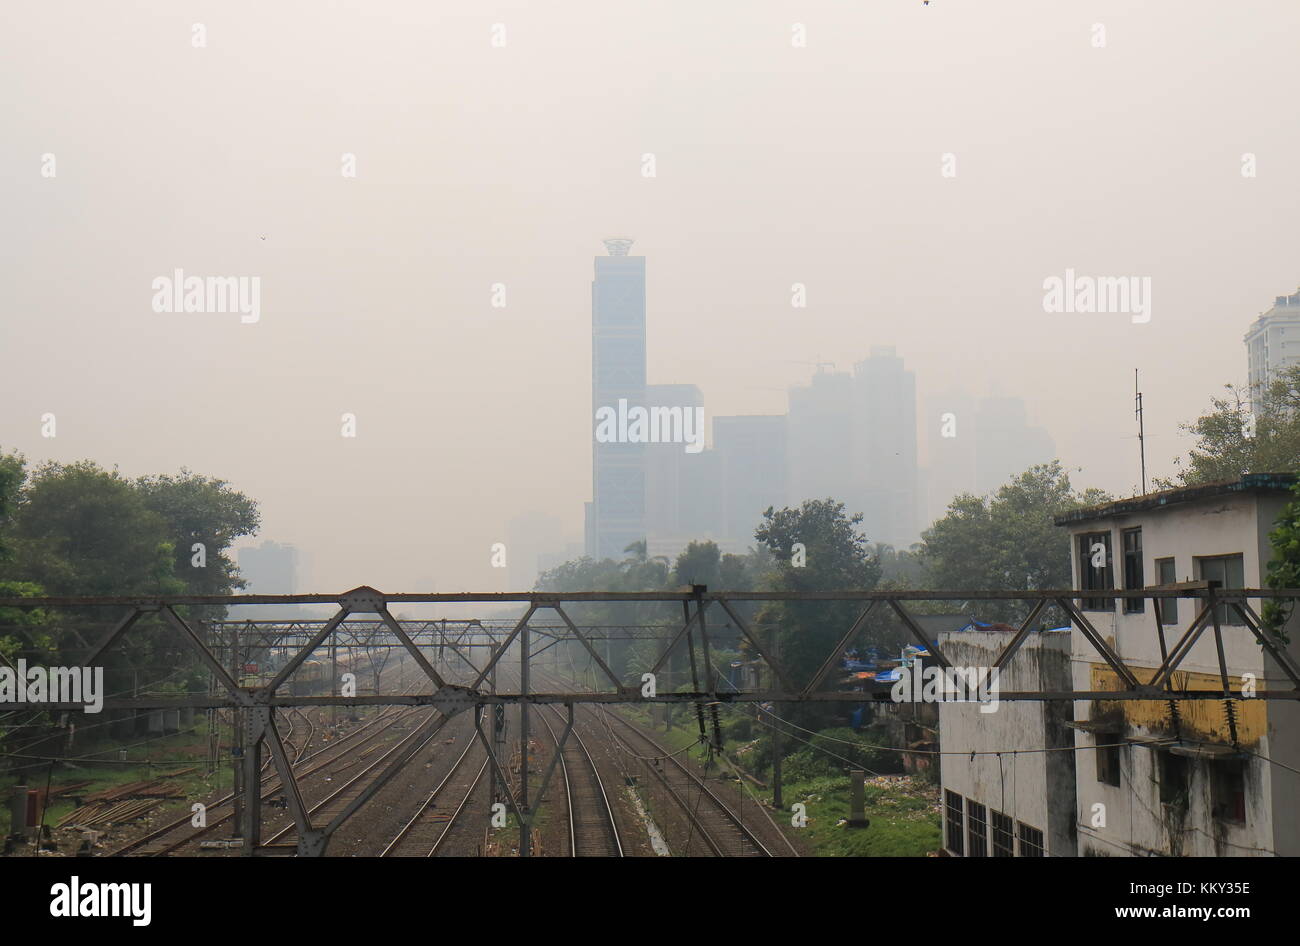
point(1250, 483)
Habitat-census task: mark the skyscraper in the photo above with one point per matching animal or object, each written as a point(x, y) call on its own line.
point(751, 451)
point(671, 474)
point(1005, 444)
point(819, 441)
point(1273, 342)
point(884, 447)
point(269, 568)
point(852, 438)
point(617, 511)
point(950, 434)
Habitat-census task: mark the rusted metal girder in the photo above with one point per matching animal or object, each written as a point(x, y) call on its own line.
point(258, 704)
point(785, 689)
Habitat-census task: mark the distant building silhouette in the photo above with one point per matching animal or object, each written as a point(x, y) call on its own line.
point(1005, 443)
point(884, 448)
point(529, 537)
point(269, 568)
point(616, 515)
point(976, 445)
point(1273, 342)
point(751, 452)
point(819, 439)
point(852, 437)
point(671, 474)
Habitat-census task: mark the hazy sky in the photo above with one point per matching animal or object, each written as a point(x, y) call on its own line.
point(478, 164)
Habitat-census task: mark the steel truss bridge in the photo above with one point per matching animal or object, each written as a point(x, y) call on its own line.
point(364, 619)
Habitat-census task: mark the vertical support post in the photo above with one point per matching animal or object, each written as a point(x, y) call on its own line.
point(239, 725)
point(525, 834)
point(777, 801)
point(334, 679)
point(709, 674)
point(695, 674)
point(498, 731)
point(857, 804)
point(496, 778)
point(18, 812)
point(252, 765)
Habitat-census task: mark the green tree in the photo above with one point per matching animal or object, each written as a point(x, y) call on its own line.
point(903, 569)
point(21, 629)
point(1006, 542)
point(201, 510)
point(835, 556)
point(744, 572)
point(83, 530)
point(1283, 568)
point(700, 563)
point(1235, 437)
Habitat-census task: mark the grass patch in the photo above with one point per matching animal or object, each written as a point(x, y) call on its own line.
point(903, 818)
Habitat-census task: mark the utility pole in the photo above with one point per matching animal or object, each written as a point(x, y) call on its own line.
point(525, 835)
point(1142, 449)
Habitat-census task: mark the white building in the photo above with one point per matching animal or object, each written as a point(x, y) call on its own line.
point(999, 802)
point(1193, 777)
point(1273, 342)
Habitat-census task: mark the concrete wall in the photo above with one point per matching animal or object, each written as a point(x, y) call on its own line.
point(1035, 788)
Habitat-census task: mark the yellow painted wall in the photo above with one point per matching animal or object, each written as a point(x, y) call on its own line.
point(1205, 720)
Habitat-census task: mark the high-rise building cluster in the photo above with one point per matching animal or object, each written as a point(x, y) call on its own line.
point(851, 436)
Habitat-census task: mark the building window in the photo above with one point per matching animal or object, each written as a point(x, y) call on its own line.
point(1228, 790)
point(1174, 781)
point(1230, 572)
point(1004, 835)
point(1096, 569)
point(1031, 841)
point(953, 806)
point(1132, 545)
point(976, 830)
point(1166, 574)
point(1108, 758)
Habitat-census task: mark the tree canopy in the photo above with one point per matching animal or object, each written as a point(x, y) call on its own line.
point(1236, 437)
point(1008, 541)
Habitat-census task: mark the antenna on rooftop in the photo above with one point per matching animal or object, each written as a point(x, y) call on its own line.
point(1142, 448)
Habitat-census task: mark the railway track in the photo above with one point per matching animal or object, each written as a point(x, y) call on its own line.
point(338, 800)
point(179, 832)
point(593, 830)
point(715, 828)
point(345, 796)
point(423, 835)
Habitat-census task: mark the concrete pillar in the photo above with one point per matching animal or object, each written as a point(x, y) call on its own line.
point(18, 811)
point(857, 803)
